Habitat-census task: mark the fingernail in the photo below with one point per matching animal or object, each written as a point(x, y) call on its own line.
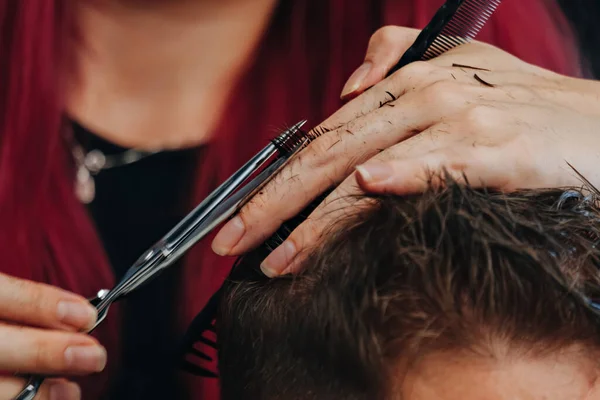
point(374, 172)
point(356, 79)
point(76, 314)
point(86, 358)
point(279, 259)
point(228, 236)
point(65, 391)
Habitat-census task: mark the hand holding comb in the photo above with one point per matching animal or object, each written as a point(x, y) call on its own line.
point(457, 22)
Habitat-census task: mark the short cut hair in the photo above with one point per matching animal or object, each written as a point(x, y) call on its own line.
point(453, 268)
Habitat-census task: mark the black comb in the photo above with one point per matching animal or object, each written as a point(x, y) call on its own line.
point(199, 346)
point(198, 349)
point(457, 22)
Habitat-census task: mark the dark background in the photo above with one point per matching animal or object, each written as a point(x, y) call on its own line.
point(585, 17)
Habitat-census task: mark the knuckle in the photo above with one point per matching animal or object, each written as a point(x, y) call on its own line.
point(39, 301)
point(451, 164)
point(319, 146)
point(46, 355)
point(26, 298)
point(415, 71)
point(267, 200)
point(522, 142)
point(41, 357)
point(442, 94)
point(456, 164)
point(260, 202)
point(306, 234)
point(255, 207)
point(384, 35)
point(522, 93)
point(479, 118)
point(314, 229)
point(321, 149)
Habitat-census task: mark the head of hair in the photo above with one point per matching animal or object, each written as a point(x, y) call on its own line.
point(452, 269)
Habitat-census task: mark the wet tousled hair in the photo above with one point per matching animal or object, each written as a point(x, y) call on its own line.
point(455, 268)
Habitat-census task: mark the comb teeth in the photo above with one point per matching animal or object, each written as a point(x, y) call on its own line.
point(465, 24)
point(198, 346)
point(290, 140)
point(197, 370)
point(194, 359)
point(200, 354)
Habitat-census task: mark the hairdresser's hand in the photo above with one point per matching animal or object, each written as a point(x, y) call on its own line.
point(475, 111)
point(38, 334)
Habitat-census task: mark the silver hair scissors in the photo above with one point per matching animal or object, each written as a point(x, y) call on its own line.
point(222, 203)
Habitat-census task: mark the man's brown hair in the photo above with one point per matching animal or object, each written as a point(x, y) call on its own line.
point(454, 268)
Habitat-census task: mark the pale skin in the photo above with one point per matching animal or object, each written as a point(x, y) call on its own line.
point(154, 75)
point(504, 124)
point(452, 375)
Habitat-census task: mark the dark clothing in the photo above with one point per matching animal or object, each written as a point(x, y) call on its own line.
point(135, 205)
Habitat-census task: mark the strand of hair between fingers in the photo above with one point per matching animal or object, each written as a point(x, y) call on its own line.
point(470, 67)
point(480, 80)
point(336, 142)
point(388, 102)
point(319, 131)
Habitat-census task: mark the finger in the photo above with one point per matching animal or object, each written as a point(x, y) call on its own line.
point(51, 389)
point(464, 147)
point(38, 351)
point(342, 203)
point(484, 56)
point(415, 175)
point(415, 77)
point(326, 162)
point(543, 88)
point(385, 49)
point(489, 148)
point(389, 43)
point(43, 305)
point(484, 124)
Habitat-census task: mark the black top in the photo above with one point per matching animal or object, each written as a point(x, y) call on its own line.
point(135, 205)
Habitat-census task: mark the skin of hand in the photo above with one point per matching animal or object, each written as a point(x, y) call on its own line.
point(475, 112)
point(40, 329)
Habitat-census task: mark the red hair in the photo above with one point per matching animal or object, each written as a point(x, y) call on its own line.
point(299, 71)
point(46, 234)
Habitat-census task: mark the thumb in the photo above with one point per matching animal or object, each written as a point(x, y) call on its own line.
point(386, 47)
